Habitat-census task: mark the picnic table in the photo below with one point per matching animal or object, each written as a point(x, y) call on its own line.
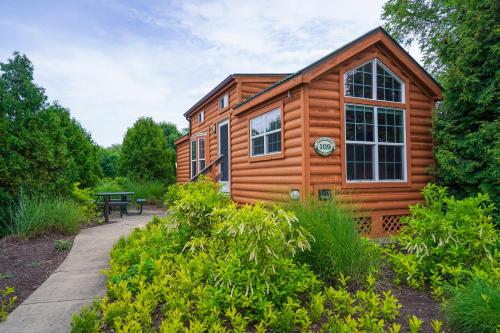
point(109, 201)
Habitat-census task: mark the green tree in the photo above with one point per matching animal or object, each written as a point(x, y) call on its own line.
point(460, 41)
point(109, 158)
point(145, 155)
point(42, 149)
point(171, 134)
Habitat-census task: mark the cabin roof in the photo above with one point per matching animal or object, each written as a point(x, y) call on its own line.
point(228, 80)
point(182, 139)
point(332, 54)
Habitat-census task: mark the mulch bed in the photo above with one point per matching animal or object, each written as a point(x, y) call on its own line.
point(26, 264)
point(413, 302)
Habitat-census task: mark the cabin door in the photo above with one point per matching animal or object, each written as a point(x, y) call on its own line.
point(224, 167)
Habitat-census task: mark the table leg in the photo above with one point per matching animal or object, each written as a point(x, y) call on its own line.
point(124, 208)
point(106, 209)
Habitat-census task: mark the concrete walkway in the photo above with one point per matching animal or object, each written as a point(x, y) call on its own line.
point(77, 281)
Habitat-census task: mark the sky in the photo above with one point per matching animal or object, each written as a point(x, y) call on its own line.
point(111, 62)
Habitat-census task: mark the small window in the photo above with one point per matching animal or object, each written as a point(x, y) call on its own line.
point(265, 133)
point(373, 81)
point(375, 143)
point(201, 154)
point(201, 117)
point(224, 101)
point(193, 158)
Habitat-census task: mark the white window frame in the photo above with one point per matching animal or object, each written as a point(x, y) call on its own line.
point(201, 117)
point(375, 144)
point(224, 101)
point(266, 134)
point(374, 63)
point(191, 159)
point(200, 145)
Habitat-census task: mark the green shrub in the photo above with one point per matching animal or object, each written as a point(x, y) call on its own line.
point(195, 203)
point(62, 245)
point(475, 308)
point(446, 242)
point(86, 202)
point(172, 195)
point(35, 215)
point(108, 185)
point(7, 301)
point(152, 191)
point(87, 321)
point(211, 266)
point(337, 247)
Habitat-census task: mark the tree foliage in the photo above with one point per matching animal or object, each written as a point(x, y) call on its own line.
point(171, 134)
point(460, 41)
point(42, 149)
point(145, 154)
point(109, 158)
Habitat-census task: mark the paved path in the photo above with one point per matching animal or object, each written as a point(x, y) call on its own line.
point(78, 281)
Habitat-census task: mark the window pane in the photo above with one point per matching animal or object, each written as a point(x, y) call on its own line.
point(359, 162)
point(350, 132)
point(359, 123)
point(388, 87)
point(390, 162)
point(258, 146)
point(258, 125)
point(358, 82)
point(273, 120)
point(274, 142)
point(201, 149)
point(390, 125)
point(193, 150)
point(193, 168)
point(202, 164)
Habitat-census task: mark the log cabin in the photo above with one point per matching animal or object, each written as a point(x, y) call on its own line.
point(356, 123)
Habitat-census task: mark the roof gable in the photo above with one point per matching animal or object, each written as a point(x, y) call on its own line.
point(308, 73)
point(237, 77)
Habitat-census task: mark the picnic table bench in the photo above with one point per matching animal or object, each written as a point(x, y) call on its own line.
point(108, 202)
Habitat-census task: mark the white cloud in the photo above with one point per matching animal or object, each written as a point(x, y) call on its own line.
point(187, 48)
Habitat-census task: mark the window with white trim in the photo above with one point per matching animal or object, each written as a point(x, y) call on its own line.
point(224, 101)
point(265, 133)
point(375, 143)
point(193, 158)
point(201, 117)
point(201, 154)
point(373, 80)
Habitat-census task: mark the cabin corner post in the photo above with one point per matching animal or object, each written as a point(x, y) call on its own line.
point(306, 149)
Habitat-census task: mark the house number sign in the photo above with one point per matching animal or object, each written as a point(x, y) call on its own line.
point(324, 146)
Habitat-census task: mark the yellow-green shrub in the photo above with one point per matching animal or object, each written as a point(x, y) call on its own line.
point(216, 267)
point(447, 242)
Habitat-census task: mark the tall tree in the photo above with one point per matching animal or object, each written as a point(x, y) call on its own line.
point(42, 149)
point(145, 155)
point(460, 41)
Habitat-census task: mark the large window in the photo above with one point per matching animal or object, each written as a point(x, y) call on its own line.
point(265, 133)
point(193, 158)
point(375, 143)
point(373, 81)
point(201, 154)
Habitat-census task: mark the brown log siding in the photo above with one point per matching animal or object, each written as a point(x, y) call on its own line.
point(183, 161)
